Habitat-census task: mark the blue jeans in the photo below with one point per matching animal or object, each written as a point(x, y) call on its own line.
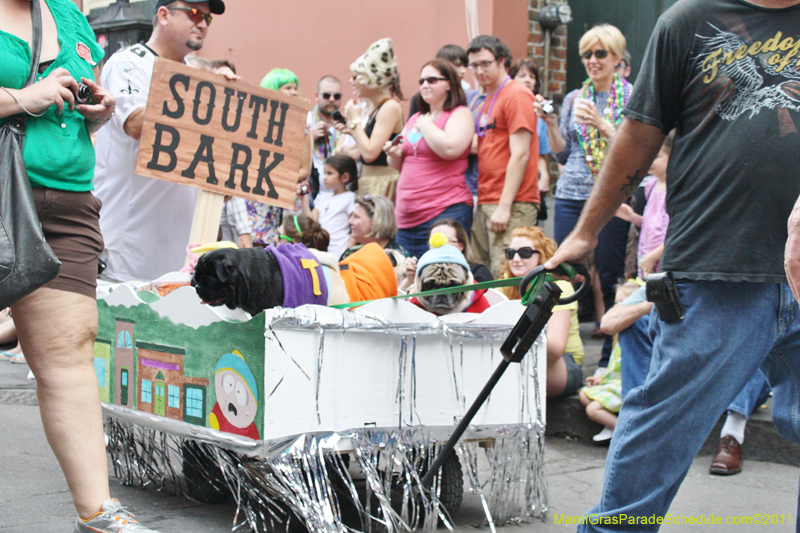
point(636, 346)
point(609, 255)
point(752, 396)
point(698, 367)
point(415, 240)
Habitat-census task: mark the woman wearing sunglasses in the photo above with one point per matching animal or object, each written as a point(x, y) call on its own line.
point(432, 158)
point(528, 249)
point(578, 140)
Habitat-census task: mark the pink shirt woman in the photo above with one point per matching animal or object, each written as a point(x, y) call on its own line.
point(433, 158)
point(428, 184)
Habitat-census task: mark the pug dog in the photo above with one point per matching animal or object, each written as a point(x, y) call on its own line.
point(440, 276)
point(249, 279)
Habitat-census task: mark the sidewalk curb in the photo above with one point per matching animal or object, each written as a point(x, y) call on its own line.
point(566, 417)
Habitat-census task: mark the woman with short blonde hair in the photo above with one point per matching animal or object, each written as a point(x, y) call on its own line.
point(607, 35)
point(372, 220)
point(579, 138)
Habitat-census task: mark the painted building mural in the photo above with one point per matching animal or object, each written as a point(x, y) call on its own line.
point(189, 374)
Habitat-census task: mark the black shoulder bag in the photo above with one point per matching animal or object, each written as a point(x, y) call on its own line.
point(26, 260)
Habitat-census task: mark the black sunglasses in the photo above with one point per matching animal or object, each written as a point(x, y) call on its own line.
point(599, 54)
point(194, 14)
point(525, 252)
point(432, 80)
point(336, 96)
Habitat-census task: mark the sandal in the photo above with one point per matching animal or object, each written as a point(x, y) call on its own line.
point(17, 358)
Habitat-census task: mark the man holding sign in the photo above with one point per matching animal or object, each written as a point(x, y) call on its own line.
point(145, 222)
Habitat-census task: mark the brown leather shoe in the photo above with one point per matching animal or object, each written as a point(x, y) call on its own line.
point(728, 459)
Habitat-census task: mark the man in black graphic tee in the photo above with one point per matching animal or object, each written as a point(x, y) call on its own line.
point(725, 74)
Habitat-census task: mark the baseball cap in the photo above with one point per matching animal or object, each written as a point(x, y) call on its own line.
point(217, 7)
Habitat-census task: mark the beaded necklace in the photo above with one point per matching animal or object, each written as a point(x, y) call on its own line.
point(325, 146)
point(481, 130)
point(591, 142)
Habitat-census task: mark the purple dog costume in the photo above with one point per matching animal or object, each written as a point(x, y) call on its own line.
point(303, 278)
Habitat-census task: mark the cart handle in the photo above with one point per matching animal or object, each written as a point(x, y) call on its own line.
point(533, 281)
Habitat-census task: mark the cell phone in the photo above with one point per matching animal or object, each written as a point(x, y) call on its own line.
point(662, 291)
point(397, 140)
point(338, 117)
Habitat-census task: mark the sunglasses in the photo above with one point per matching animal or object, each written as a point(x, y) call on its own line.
point(327, 96)
point(370, 205)
point(525, 252)
point(194, 14)
point(599, 54)
point(480, 64)
point(432, 80)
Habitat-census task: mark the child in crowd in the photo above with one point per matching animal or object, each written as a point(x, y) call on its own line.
point(333, 211)
point(602, 395)
point(655, 219)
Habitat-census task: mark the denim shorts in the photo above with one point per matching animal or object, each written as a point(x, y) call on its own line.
point(574, 376)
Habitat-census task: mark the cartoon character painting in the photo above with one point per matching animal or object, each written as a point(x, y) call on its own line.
point(237, 397)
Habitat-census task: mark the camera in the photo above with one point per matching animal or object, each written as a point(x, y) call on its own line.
point(548, 107)
point(338, 117)
point(83, 95)
point(661, 290)
point(303, 190)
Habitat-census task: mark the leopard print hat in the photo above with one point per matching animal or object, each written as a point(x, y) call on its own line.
point(377, 68)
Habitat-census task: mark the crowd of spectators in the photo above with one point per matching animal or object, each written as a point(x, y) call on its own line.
point(469, 168)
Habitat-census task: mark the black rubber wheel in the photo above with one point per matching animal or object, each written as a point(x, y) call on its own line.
point(204, 480)
point(451, 484)
point(449, 487)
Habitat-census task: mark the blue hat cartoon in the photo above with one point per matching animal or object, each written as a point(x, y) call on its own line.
point(237, 397)
point(235, 363)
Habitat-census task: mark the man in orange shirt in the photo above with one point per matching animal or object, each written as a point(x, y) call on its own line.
point(508, 192)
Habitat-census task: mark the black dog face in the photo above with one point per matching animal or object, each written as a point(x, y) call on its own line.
point(440, 276)
point(211, 275)
point(249, 279)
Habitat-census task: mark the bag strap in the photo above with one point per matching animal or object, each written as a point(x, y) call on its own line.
point(36, 45)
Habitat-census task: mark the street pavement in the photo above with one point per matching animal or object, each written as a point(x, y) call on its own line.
point(34, 495)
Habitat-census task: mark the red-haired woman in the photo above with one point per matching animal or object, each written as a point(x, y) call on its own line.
point(528, 249)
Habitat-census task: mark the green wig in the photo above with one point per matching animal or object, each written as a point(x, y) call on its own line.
point(278, 77)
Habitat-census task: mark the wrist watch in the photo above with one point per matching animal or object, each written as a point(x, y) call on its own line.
point(352, 125)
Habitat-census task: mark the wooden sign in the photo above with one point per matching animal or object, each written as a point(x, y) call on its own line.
point(222, 136)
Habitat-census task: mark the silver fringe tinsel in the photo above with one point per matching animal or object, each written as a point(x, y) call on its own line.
point(365, 479)
point(307, 479)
